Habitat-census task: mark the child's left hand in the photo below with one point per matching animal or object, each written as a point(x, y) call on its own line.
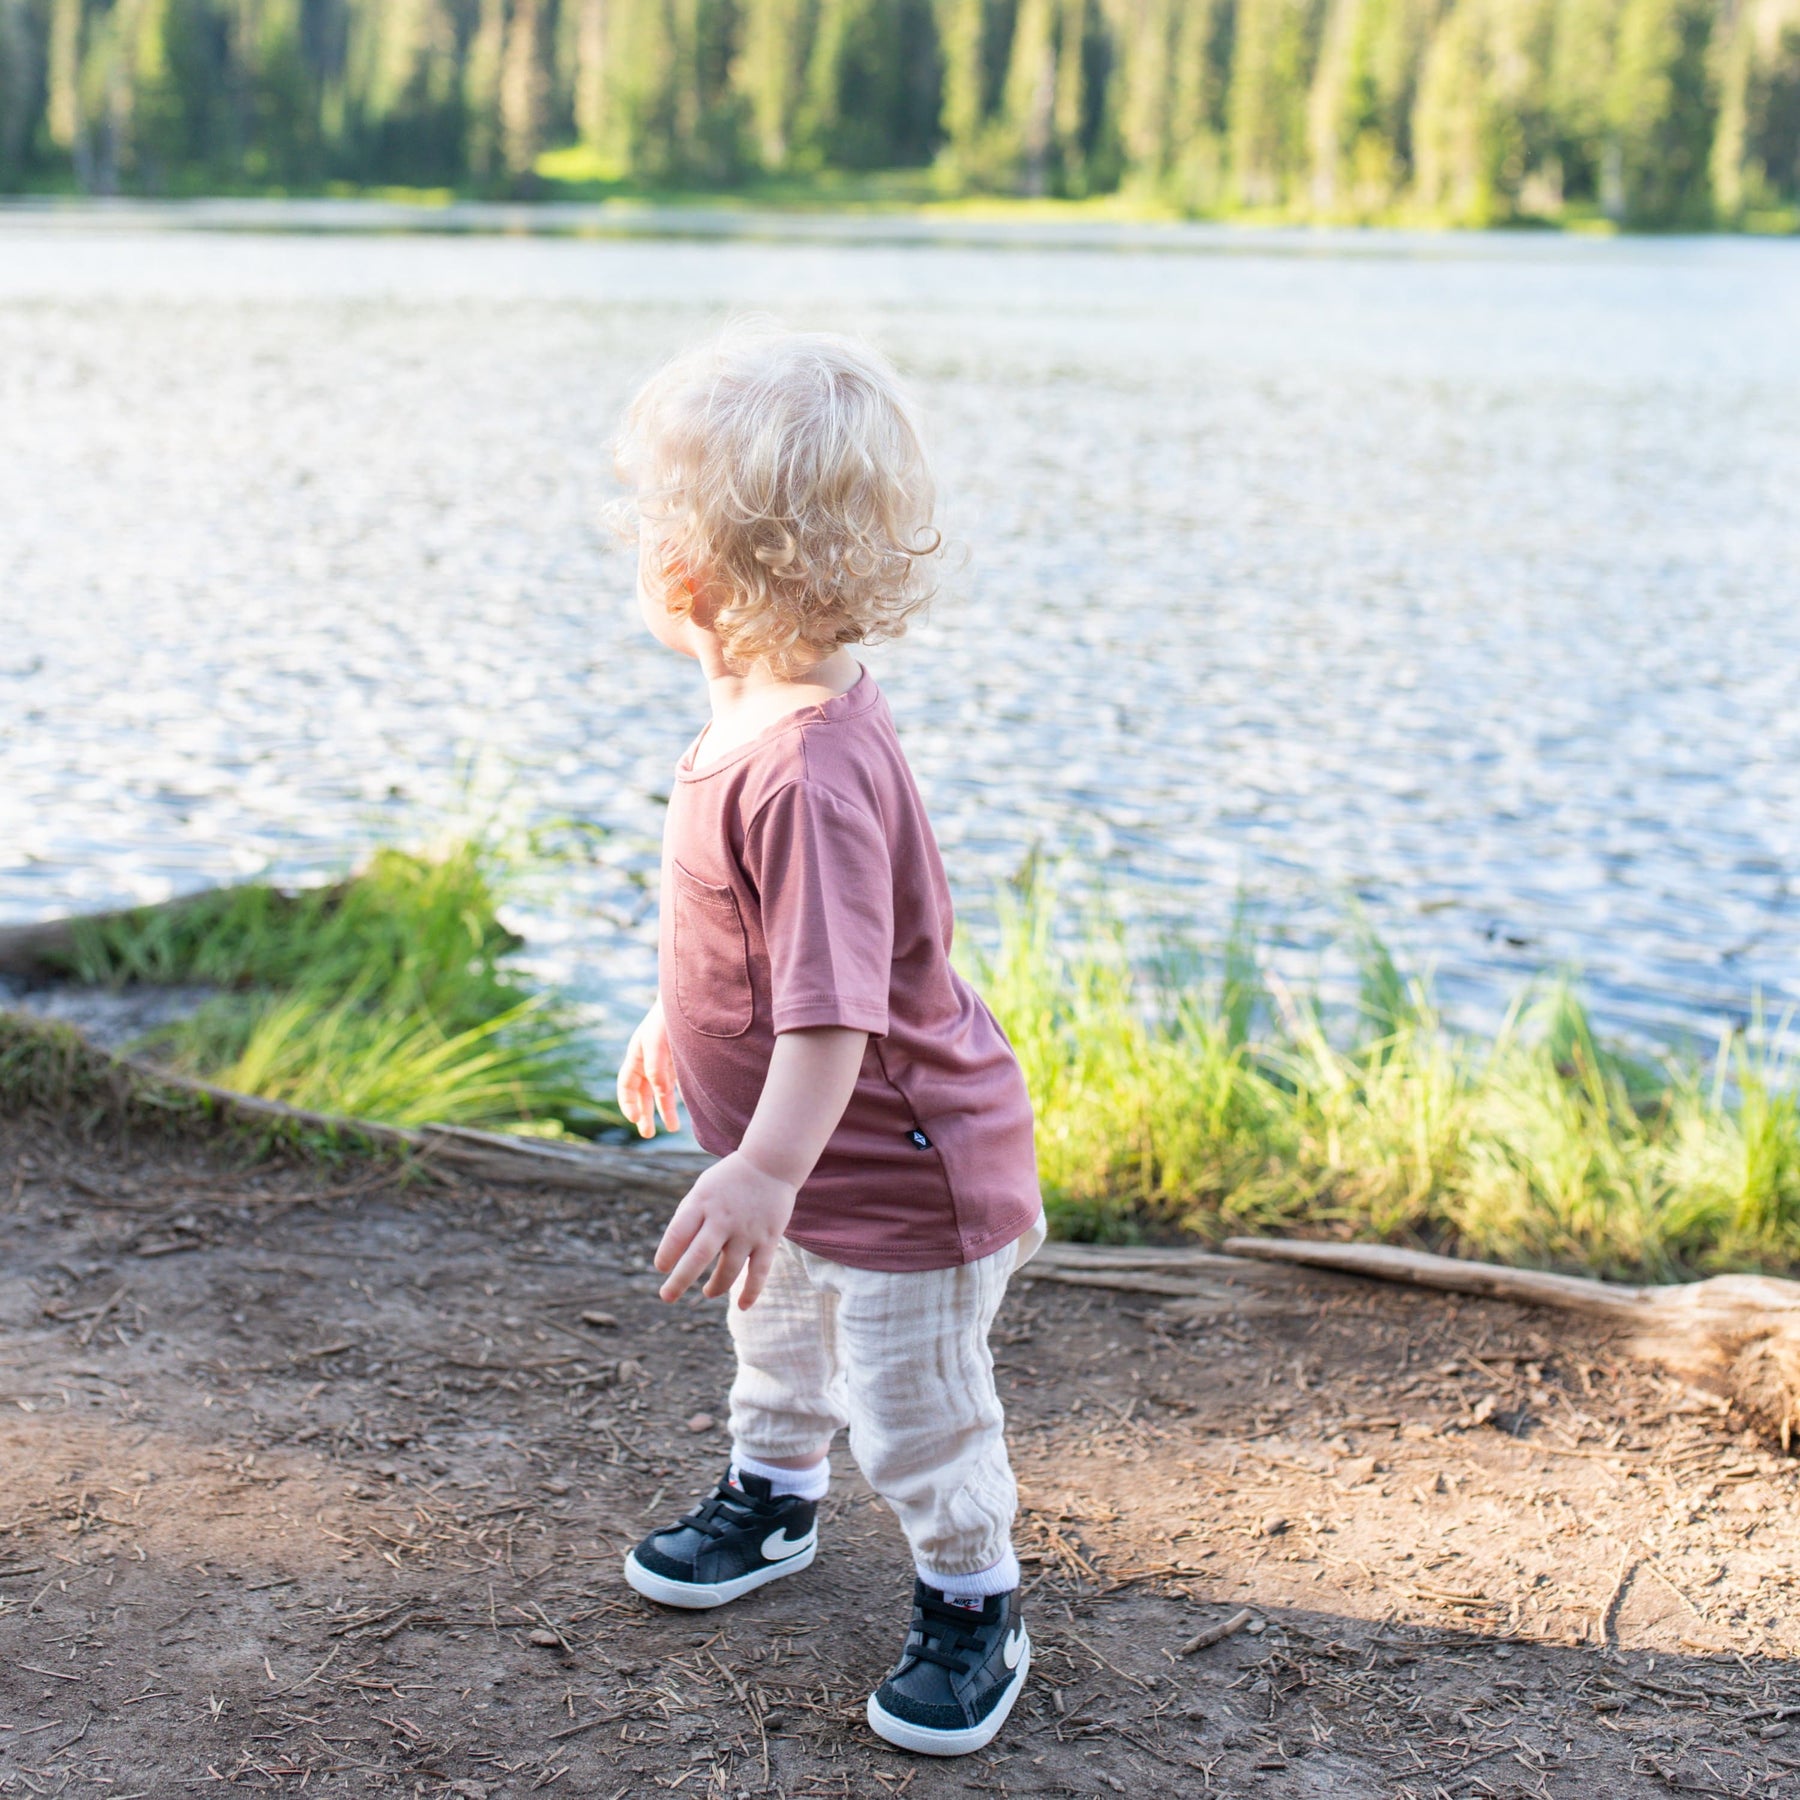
point(738, 1210)
point(735, 1212)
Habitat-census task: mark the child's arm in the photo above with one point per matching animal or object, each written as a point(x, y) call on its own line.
point(739, 1208)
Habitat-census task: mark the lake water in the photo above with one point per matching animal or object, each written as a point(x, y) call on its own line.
point(1454, 579)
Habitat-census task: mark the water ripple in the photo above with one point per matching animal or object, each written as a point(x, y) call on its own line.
point(1458, 588)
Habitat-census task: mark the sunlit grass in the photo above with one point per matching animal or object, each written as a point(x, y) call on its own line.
point(383, 997)
point(517, 1070)
point(1188, 1092)
point(1193, 1093)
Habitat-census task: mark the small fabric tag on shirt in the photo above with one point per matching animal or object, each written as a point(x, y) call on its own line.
point(918, 1140)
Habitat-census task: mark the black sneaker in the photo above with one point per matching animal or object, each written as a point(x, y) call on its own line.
point(737, 1538)
point(963, 1667)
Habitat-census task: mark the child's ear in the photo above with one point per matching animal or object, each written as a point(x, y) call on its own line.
point(675, 593)
point(701, 605)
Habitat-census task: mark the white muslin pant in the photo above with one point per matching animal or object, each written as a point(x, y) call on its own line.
point(902, 1359)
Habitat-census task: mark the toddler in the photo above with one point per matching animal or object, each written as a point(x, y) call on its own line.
point(877, 1182)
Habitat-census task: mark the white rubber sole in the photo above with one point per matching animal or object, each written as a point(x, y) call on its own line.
point(908, 1736)
point(697, 1596)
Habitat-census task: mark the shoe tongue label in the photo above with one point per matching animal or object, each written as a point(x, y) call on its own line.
point(968, 1602)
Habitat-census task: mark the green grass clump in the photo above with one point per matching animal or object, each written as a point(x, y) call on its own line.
point(1196, 1094)
point(383, 997)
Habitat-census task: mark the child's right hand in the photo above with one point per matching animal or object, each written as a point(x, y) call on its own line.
point(647, 1076)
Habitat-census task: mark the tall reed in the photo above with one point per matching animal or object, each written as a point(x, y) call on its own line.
point(1200, 1093)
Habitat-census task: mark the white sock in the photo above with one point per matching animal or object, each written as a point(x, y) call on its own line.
point(1001, 1578)
point(804, 1484)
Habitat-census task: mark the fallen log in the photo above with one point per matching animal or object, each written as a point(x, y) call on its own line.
point(1196, 1283)
point(1161, 1259)
point(46, 950)
point(1734, 1335)
point(596, 1168)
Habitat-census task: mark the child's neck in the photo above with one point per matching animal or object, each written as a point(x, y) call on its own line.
point(745, 703)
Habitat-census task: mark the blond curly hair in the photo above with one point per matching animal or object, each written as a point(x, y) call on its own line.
point(783, 473)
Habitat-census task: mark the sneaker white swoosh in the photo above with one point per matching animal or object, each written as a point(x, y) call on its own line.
point(1014, 1647)
point(778, 1546)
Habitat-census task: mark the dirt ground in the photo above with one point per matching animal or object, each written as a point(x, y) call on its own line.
point(316, 1483)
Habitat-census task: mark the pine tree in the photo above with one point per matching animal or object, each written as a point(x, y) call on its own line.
point(1028, 106)
point(1195, 165)
point(19, 76)
point(1359, 113)
point(1271, 71)
point(1756, 149)
point(65, 113)
point(589, 54)
point(1071, 111)
point(780, 43)
point(1734, 57)
point(401, 95)
point(1451, 181)
point(654, 107)
point(525, 87)
point(962, 41)
point(870, 94)
point(1481, 131)
point(1658, 108)
point(1144, 79)
point(177, 78)
point(1582, 36)
point(1041, 139)
point(483, 150)
point(1336, 111)
point(279, 123)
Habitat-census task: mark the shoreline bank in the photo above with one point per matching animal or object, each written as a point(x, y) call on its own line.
point(1021, 224)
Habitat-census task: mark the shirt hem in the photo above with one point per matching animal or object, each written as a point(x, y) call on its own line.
point(919, 1260)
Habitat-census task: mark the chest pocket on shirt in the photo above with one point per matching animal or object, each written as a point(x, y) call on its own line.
point(712, 958)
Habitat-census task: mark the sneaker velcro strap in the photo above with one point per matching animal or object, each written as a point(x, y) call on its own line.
point(946, 1637)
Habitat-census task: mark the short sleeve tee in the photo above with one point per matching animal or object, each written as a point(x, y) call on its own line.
point(802, 886)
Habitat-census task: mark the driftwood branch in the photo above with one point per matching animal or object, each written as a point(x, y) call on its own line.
point(1736, 1335)
point(482, 1155)
point(454, 1149)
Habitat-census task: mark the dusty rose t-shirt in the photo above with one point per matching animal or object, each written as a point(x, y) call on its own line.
point(802, 886)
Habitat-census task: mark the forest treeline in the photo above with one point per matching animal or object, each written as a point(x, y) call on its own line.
point(1651, 112)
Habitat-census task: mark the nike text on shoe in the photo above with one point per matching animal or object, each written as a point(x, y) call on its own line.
point(736, 1539)
point(964, 1665)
